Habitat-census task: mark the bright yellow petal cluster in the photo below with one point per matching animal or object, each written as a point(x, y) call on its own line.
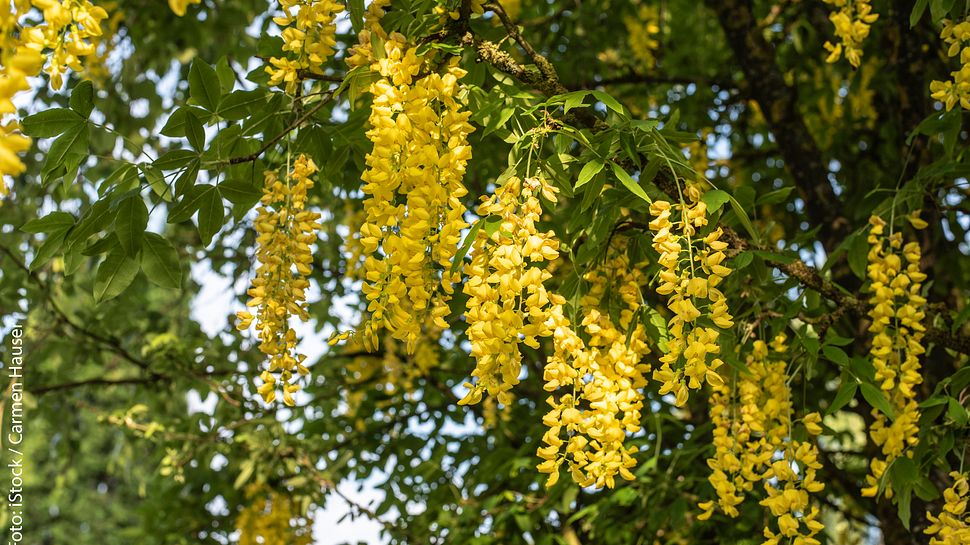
point(96, 64)
point(952, 526)
point(851, 23)
point(897, 313)
point(752, 441)
point(602, 377)
point(507, 302)
point(750, 414)
point(285, 230)
point(642, 32)
point(957, 88)
point(691, 269)
point(68, 30)
point(362, 54)
point(309, 37)
point(19, 60)
point(413, 184)
point(272, 517)
point(179, 6)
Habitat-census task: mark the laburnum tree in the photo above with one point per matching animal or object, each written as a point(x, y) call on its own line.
point(536, 271)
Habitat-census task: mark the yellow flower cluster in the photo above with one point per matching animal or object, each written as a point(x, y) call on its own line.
point(851, 23)
point(952, 526)
point(68, 28)
point(507, 302)
point(362, 54)
point(603, 378)
point(691, 270)
point(179, 6)
point(897, 314)
point(957, 89)
point(750, 415)
point(752, 441)
point(413, 184)
point(309, 35)
point(19, 60)
point(273, 518)
point(642, 32)
point(285, 232)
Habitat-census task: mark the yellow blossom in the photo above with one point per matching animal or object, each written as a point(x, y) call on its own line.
point(952, 525)
point(285, 230)
point(897, 313)
point(851, 22)
point(309, 37)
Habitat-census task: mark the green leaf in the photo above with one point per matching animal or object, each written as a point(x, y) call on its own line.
point(356, 9)
point(466, 245)
point(836, 355)
point(190, 203)
point(629, 183)
point(212, 214)
point(96, 218)
point(204, 86)
point(194, 131)
point(589, 170)
point(130, 223)
point(240, 192)
point(51, 223)
point(715, 199)
point(82, 98)
point(609, 101)
point(745, 221)
point(227, 76)
point(239, 104)
point(175, 159)
point(156, 180)
point(904, 496)
point(858, 255)
point(846, 393)
point(918, 8)
point(51, 122)
point(875, 397)
point(48, 249)
point(160, 261)
point(73, 141)
point(956, 412)
point(115, 274)
point(743, 259)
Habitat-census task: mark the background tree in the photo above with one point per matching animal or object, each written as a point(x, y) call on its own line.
point(781, 128)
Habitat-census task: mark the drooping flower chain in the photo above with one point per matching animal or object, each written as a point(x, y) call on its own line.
point(508, 305)
point(602, 380)
point(691, 271)
point(752, 440)
point(309, 37)
point(897, 314)
point(413, 184)
point(642, 31)
point(851, 22)
point(956, 90)
point(952, 525)
point(285, 232)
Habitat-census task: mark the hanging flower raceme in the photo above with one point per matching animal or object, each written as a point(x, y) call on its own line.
point(851, 21)
point(952, 525)
point(19, 60)
point(691, 270)
point(180, 6)
point(596, 383)
point(362, 54)
point(272, 517)
point(507, 303)
point(309, 37)
point(956, 90)
point(67, 31)
point(642, 32)
point(413, 184)
point(751, 412)
point(897, 313)
point(285, 231)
